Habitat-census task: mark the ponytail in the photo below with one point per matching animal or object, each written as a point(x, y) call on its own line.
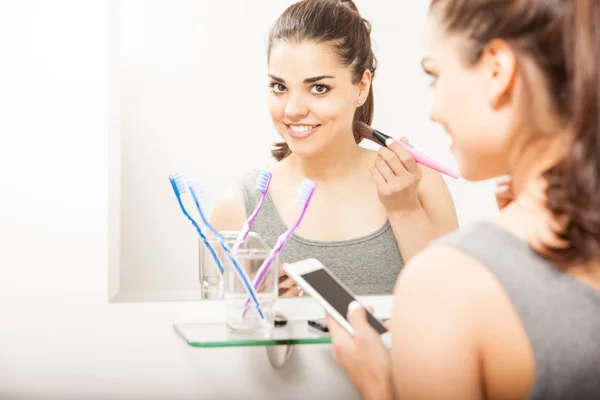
point(573, 191)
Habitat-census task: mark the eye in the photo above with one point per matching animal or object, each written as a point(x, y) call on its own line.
point(277, 87)
point(319, 89)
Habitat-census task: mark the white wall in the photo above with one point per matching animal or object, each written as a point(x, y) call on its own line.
point(190, 79)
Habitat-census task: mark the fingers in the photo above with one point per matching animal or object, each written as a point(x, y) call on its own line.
point(335, 329)
point(404, 140)
point(504, 192)
point(387, 324)
point(289, 288)
point(384, 169)
point(340, 338)
point(338, 334)
point(391, 160)
point(502, 187)
point(503, 200)
point(503, 180)
point(378, 178)
point(357, 317)
point(405, 157)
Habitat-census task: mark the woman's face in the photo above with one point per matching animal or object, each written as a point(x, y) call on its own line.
point(465, 104)
point(312, 99)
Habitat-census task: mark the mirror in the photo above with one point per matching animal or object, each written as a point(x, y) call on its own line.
point(189, 94)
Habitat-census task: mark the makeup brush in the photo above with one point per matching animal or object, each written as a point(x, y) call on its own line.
point(382, 139)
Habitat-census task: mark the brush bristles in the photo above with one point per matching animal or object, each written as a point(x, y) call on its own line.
point(306, 190)
point(262, 183)
point(179, 183)
point(198, 190)
point(363, 130)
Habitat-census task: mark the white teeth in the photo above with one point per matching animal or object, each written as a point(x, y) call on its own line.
point(301, 128)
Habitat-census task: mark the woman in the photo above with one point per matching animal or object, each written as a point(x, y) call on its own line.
point(509, 308)
point(369, 214)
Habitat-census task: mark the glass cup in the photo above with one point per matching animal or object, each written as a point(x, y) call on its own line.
point(211, 281)
point(243, 315)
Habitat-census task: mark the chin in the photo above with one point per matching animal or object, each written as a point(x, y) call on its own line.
point(305, 150)
point(469, 163)
point(475, 171)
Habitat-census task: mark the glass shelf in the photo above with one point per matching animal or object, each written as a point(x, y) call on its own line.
point(295, 332)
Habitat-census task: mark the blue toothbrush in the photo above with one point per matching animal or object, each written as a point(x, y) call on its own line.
point(196, 191)
point(180, 189)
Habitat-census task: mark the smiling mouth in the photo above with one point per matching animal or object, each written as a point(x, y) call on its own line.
point(301, 131)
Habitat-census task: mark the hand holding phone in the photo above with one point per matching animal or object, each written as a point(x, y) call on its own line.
point(287, 286)
point(317, 281)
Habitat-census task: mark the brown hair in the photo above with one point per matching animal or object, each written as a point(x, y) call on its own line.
point(563, 38)
point(336, 22)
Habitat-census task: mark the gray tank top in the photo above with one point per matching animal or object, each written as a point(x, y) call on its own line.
point(560, 314)
point(368, 265)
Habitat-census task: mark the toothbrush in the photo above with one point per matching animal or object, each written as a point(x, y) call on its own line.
point(381, 138)
point(197, 192)
point(262, 185)
point(180, 189)
point(305, 193)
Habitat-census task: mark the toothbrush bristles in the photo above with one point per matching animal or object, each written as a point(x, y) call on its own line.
point(305, 192)
point(262, 183)
point(179, 183)
point(198, 190)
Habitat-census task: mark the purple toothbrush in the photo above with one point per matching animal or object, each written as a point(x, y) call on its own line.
point(303, 197)
point(262, 185)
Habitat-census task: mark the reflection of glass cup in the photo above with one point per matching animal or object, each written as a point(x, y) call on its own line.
point(211, 282)
point(242, 315)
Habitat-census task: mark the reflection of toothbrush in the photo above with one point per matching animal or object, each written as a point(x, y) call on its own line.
point(196, 191)
point(374, 135)
point(179, 189)
point(262, 185)
point(303, 197)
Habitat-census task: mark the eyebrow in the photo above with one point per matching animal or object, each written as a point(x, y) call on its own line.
point(307, 80)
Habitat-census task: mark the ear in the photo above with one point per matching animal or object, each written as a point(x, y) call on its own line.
point(500, 65)
point(363, 87)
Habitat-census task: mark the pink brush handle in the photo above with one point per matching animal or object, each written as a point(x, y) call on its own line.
point(428, 162)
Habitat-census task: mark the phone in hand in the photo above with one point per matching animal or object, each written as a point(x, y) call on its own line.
point(317, 281)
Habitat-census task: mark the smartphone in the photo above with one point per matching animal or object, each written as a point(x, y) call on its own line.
point(317, 281)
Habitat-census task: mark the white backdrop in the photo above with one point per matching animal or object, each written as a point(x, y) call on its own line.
point(189, 95)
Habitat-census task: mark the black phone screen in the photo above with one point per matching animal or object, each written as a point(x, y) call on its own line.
point(336, 295)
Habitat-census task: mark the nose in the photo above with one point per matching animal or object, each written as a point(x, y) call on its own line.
point(296, 107)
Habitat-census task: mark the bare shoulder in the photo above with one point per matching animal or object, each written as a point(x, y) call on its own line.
point(229, 213)
point(437, 201)
point(431, 182)
point(447, 272)
point(437, 324)
point(445, 287)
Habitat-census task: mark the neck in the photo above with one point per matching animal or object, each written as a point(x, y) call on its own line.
point(331, 164)
point(535, 159)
